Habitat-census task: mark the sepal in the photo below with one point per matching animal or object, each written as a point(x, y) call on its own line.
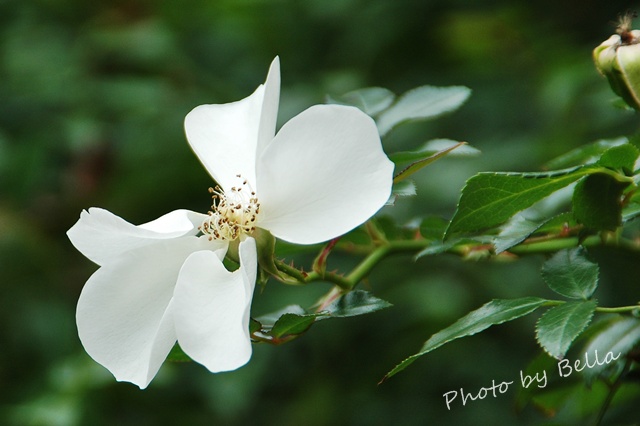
point(618, 59)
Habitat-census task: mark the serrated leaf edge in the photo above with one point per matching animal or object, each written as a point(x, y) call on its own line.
point(584, 326)
point(586, 170)
point(578, 251)
point(409, 360)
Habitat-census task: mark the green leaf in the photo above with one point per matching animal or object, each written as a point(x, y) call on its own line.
point(406, 188)
point(270, 319)
point(514, 232)
point(432, 147)
point(621, 157)
point(618, 338)
point(630, 212)
point(289, 324)
point(254, 326)
point(489, 199)
point(525, 394)
point(571, 398)
point(557, 224)
point(433, 227)
point(357, 302)
point(570, 274)
point(422, 103)
point(293, 319)
point(585, 154)
point(436, 247)
point(438, 145)
point(559, 326)
point(388, 228)
point(371, 100)
point(492, 313)
point(597, 202)
point(417, 165)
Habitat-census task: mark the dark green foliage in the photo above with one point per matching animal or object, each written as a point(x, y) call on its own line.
point(489, 199)
point(492, 313)
point(570, 274)
point(93, 97)
point(560, 325)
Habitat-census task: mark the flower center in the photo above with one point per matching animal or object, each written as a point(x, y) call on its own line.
point(232, 214)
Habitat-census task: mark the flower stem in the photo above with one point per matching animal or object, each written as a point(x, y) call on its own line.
point(291, 271)
point(300, 277)
point(332, 277)
point(553, 245)
point(380, 248)
point(618, 310)
point(363, 269)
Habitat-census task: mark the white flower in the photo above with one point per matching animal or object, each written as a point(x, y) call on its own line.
point(322, 175)
point(157, 283)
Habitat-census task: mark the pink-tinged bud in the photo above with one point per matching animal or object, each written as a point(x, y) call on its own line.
point(618, 59)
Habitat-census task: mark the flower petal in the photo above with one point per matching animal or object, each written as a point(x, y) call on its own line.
point(212, 309)
point(124, 314)
point(102, 236)
point(324, 174)
point(226, 137)
point(269, 115)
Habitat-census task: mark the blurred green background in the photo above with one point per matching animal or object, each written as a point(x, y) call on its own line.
point(92, 98)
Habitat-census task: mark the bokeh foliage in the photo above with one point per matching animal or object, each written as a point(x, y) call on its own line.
point(93, 95)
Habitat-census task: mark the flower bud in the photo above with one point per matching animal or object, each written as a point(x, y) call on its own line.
point(618, 59)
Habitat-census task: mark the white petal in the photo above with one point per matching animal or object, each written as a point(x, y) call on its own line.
point(324, 174)
point(226, 137)
point(212, 309)
point(124, 314)
point(101, 236)
point(177, 222)
point(269, 115)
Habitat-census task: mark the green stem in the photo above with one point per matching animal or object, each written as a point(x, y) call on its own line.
point(301, 278)
point(363, 269)
point(376, 255)
point(377, 236)
point(550, 246)
point(291, 271)
point(617, 176)
point(331, 277)
point(620, 310)
point(381, 248)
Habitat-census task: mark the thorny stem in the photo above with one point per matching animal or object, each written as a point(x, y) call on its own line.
point(299, 277)
point(380, 247)
point(363, 269)
point(329, 298)
point(374, 253)
point(377, 236)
